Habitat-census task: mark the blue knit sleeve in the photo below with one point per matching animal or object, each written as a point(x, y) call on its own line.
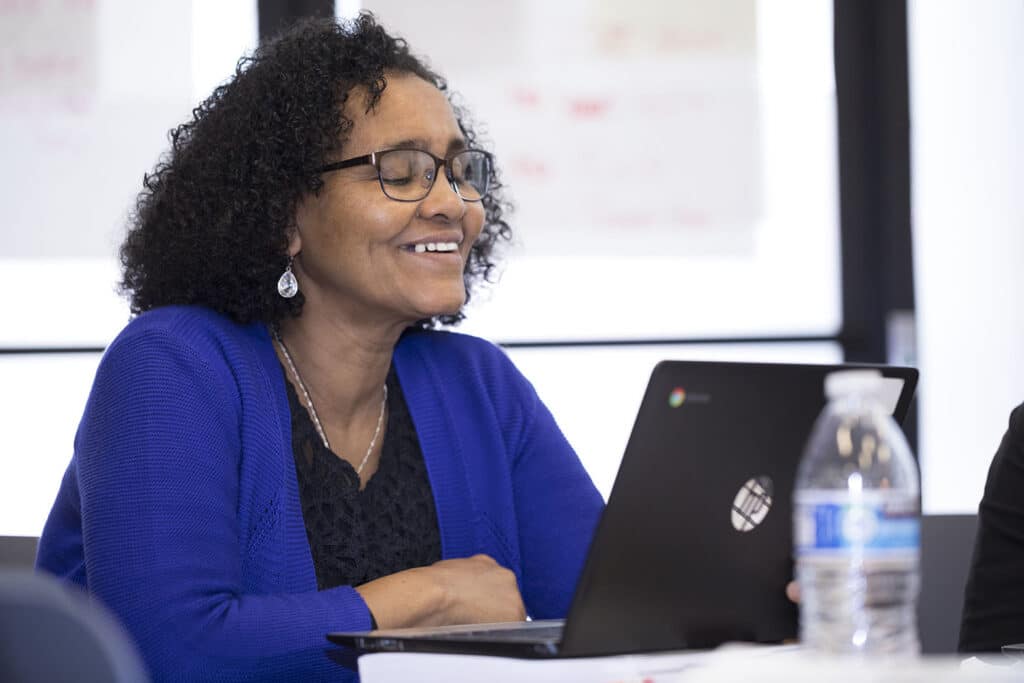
point(158, 458)
point(557, 506)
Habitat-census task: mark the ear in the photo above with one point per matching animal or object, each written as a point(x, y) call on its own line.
point(295, 229)
point(294, 241)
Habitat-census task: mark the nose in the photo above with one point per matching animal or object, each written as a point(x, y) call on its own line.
point(442, 202)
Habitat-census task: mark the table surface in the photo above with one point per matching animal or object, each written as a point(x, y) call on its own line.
point(764, 664)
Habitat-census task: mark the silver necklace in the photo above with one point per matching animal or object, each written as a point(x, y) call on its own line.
point(312, 409)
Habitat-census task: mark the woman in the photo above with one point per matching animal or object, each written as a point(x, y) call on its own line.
point(993, 613)
point(279, 445)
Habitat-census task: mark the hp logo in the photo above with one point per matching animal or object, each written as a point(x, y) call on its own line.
point(752, 503)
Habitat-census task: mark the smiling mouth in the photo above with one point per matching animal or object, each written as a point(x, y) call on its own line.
point(433, 247)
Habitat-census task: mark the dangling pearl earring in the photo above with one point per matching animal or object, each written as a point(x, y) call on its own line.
point(287, 285)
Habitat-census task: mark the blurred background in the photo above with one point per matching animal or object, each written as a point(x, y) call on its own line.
point(808, 181)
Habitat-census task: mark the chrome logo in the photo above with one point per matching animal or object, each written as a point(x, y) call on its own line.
point(676, 397)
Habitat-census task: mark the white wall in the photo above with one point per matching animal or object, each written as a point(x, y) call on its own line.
point(595, 392)
point(42, 401)
point(761, 260)
point(967, 108)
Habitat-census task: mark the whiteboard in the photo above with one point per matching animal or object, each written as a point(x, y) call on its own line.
point(673, 164)
point(88, 93)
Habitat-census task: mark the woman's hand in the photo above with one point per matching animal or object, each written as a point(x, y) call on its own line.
point(793, 591)
point(478, 590)
point(461, 591)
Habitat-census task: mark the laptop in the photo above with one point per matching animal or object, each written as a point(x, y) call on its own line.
point(694, 548)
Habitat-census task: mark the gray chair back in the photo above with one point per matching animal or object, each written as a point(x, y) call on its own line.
point(947, 544)
point(18, 551)
point(54, 632)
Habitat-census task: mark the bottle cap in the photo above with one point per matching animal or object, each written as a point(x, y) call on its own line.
point(847, 382)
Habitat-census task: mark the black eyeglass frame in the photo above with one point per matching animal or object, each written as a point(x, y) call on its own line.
point(373, 159)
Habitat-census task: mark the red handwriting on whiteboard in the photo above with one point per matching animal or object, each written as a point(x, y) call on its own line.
point(526, 98)
point(529, 167)
point(588, 107)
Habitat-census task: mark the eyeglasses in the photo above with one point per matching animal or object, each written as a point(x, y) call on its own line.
point(408, 175)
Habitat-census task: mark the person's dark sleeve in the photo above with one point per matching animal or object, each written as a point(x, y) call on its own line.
point(993, 613)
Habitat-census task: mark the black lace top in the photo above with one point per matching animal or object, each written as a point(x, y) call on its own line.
point(357, 536)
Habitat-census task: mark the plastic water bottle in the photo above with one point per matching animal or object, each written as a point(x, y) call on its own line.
point(856, 525)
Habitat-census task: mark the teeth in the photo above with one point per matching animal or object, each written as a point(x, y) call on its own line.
point(435, 246)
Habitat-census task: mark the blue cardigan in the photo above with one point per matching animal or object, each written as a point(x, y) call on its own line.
point(180, 507)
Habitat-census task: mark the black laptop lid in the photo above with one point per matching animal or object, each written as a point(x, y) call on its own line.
point(668, 568)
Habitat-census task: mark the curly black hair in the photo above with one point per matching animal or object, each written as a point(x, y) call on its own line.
point(212, 225)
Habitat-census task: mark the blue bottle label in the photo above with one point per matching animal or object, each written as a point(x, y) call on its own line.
point(876, 523)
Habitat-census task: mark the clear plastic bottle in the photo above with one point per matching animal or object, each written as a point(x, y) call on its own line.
point(856, 525)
